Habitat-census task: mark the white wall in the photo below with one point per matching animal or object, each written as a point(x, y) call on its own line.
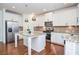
point(0, 25)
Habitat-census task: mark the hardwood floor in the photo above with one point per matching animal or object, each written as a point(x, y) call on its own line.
point(50, 49)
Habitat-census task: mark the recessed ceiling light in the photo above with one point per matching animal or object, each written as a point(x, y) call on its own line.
point(44, 9)
point(13, 6)
point(26, 5)
point(65, 3)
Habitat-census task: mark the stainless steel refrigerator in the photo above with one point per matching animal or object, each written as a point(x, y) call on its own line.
point(11, 27)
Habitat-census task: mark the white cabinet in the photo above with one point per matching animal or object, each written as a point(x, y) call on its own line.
point(77, 48)
point(77, 21)
point(71, 48)
point(40, 20)
point(38, 42)
point(57, 38)
point(59, 20)
point(14, 17)
point(49, 16)
point(65, 17)
point(78, 14)
point(77, 10)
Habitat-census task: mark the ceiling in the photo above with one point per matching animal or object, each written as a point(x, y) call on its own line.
point(33, 7)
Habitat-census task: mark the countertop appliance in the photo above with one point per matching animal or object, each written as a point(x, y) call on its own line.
point(11, 27)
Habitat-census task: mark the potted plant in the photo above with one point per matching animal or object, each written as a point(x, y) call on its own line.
point(29, 31)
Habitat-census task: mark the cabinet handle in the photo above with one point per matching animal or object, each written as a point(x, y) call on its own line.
point(77, 20)
point(64, 41)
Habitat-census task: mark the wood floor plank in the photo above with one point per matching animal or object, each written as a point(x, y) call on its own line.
point(50, 49)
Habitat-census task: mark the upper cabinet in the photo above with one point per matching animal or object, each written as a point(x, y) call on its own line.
point(65, 17)
point(14, 17)
point(49, 16)
point(40, 20)
point(78, 14)
point(77, 10)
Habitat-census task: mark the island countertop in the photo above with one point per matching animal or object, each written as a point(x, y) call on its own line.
point(72, 38)
point(34, 34)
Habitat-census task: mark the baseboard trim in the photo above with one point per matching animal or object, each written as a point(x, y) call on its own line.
point(20, 39)
point(57, 44)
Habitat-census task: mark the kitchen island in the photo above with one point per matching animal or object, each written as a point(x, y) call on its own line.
point(72, 44)
point(35, 41)
point(70, 41)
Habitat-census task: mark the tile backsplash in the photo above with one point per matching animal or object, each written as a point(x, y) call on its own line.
point(61, 29)
point(66, 28)
point(38, 28)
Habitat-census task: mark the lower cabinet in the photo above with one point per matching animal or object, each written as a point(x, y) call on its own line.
point(57, 38)
point(77, 48)
point(71, 48)
point(38, 43)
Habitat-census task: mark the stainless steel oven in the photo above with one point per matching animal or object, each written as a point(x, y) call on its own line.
point(49, 28)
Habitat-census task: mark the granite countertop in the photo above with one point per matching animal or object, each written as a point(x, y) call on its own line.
point(74, 33)
point(34, 34)
point(74, 38)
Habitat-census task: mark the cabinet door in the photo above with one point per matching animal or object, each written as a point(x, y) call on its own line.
point(57, 38)
point(65, 17)
point(78, 11)
point(49, 16)
point(70, 48)
point(78, 14)
point(77, 48)
point(40, 20)
point(60, 38)
point(58, 19)
point(53, 37)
